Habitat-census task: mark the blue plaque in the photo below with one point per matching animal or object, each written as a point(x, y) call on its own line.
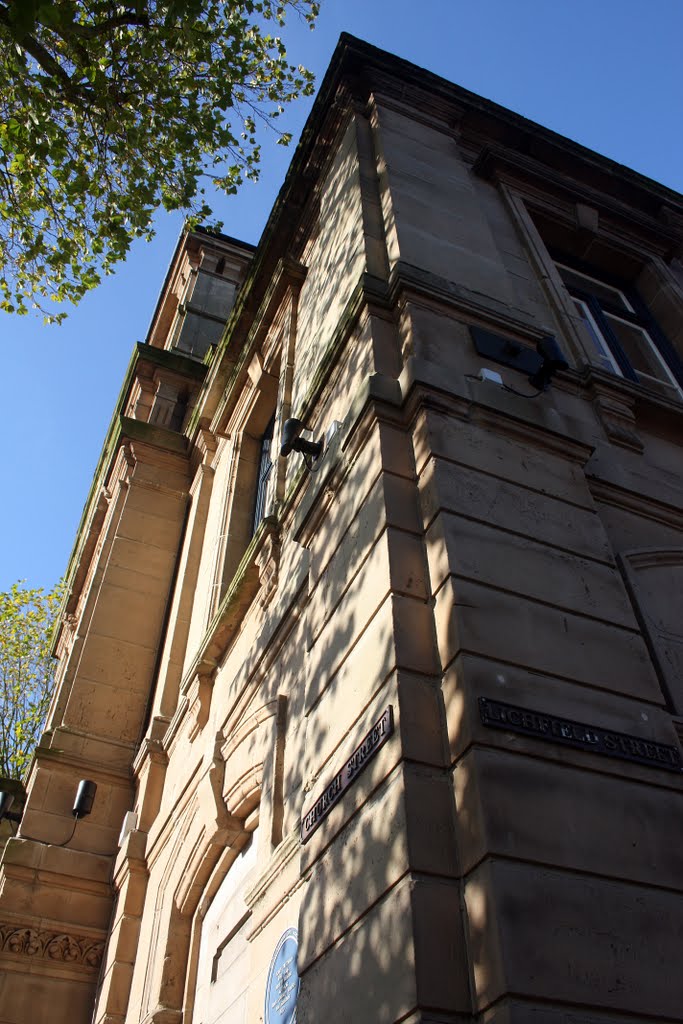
point(282, 987)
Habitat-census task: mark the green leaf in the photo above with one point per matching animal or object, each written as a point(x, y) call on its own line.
point(27, 622)
point(109, 112)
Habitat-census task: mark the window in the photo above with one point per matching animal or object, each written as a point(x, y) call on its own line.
point(264, 468)
point(203, 315)
point(196, 333)
point(224, 958)
point(626, 340)
point(247, 479)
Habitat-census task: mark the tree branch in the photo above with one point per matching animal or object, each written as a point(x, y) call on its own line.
point(39, 53)
point(127, 19)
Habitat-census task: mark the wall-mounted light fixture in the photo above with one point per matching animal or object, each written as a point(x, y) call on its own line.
point(85, 796)
point(553, 360)
point(6, 801)
point(539, 366)
point(292, 442)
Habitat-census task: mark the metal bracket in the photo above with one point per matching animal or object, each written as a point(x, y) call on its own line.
point(507, 351)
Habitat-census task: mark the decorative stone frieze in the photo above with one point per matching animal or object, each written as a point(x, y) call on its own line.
point(74, 950)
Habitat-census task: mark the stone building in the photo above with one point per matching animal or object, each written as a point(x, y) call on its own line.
point(386, 732)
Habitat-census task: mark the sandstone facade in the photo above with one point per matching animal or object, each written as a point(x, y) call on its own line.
point(478, 593)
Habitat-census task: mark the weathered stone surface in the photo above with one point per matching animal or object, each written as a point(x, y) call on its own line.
point(455, 540)
point(495, 557)
point(371, 969)
point(520, 510)
point(529, 809)
point(510, 628)
point(573, 938)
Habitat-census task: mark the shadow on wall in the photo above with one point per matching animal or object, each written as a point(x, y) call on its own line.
point(378, 898)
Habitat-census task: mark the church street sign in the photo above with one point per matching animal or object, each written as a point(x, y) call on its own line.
point(350, 770)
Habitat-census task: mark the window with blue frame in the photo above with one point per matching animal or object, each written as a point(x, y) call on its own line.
point(626, 340)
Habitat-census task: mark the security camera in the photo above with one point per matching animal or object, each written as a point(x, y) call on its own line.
point(292, 442)
point(553, 360)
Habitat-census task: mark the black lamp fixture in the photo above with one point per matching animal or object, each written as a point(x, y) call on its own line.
point(539, 366)
point(553, 360)
point(292, 442)
point(6, 801)
point(85, 796)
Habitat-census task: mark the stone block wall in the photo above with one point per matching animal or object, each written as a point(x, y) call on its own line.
point(485, 562)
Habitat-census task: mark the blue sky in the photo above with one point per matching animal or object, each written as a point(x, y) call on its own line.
point(606, 73)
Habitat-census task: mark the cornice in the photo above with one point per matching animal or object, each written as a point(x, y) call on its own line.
point(152, 435)
point(52, 749)
point(646, 404)
point(475, 307)
point(500, 163)
point(358, 70)
point(608, 493)
point(170, 359)
point(646, 558)
point(475, 114)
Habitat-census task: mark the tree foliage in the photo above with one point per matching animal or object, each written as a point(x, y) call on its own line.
point(27, 620)
point(109, 110)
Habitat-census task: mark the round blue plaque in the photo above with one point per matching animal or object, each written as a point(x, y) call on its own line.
point(282, 987)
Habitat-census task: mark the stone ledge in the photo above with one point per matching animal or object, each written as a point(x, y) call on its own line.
point(23, 854)
point(157, 437)
point(171, 360)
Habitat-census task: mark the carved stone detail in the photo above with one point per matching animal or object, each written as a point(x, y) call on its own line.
point(618, 421)
point(199, 697)
point(268, 562)
point(57, 946)
point(207, 444)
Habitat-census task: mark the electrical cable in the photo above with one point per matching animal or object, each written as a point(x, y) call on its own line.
point(73, 831)
point(44, 842)
point(521, 393)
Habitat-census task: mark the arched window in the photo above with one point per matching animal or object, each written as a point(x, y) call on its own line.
point(223, 969)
